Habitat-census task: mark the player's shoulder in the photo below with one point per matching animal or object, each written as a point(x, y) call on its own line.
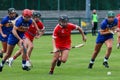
point(5, 18)
point(70, 23)
point(39, 22)
point(20, 19)
point(57, 27)
point(104, 21)
point(115, 19)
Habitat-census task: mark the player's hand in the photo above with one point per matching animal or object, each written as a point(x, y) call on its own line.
point(21, 42)
point(111, 31)
point(38, 32)
point(37, 36)
point(117, 30)
point(55, 50)
point(4, 35)
point(84, 38)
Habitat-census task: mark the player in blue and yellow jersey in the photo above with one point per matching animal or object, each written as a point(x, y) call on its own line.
point(105, 35)
point(17, 37)
point(6, 28)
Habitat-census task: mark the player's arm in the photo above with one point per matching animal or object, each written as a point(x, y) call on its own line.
point(54, 36)
point(1, 29)
point(14, 31)
point(4, 21)
point(81, 31)
point(41, 33)
point(114, 28)
point(108, 30)
point(53, 43)
point(36, 26)
point(41, 29)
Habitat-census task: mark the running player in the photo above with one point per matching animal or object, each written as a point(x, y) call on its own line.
point(62, 41)
point(6, 28)
point(16, 37)
point(105, 35)
point(118, 33)
point(29, 37)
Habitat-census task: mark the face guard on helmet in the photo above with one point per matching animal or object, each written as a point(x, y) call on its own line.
point(110, 14)
point(11, 10)
point(36, 14)
point(63, 20)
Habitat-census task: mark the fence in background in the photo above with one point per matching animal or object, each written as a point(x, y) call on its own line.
point(63, 4)
point(50, 23)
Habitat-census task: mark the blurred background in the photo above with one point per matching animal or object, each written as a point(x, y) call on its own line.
point(79, 11)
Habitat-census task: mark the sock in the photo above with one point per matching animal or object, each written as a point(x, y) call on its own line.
point(23, 63)
point(105, 59)
point(14, 57)
point(11, 58)
point(3, 62)
point(92, 61)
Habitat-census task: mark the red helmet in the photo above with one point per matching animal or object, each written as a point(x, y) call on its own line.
point(27, 13)
point(118, 15)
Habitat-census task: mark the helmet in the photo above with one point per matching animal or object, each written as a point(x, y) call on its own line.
point(36, 14)
point(27, 13)
point(63, 18)
point(110, 14)
point(118, 15)
point(11, 10)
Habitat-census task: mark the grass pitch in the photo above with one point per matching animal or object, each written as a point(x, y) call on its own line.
point(76, 68)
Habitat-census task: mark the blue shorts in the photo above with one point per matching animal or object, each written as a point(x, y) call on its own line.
point(12, 40)
point(2, 39)
point(103, 38)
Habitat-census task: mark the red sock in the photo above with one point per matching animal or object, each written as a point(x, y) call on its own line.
point(14, 57)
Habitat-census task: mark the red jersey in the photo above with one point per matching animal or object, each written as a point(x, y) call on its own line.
point(63, 36)
point(118, 17)
point(31, 33)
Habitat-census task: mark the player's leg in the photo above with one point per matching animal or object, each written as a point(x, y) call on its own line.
point(109, 44)
point(30, 46)
point(63, 58)
point(4, 48)
point(24, 55)
point(7, 55)
point(118, 40)
point(94, 55)
point(11, 59)
point(54, 60)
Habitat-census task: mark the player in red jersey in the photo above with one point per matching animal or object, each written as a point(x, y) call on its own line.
point(29, 37)
point(62, 41)
point(118, 33)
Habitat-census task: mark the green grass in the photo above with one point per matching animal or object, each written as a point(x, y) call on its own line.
point(74, 69)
